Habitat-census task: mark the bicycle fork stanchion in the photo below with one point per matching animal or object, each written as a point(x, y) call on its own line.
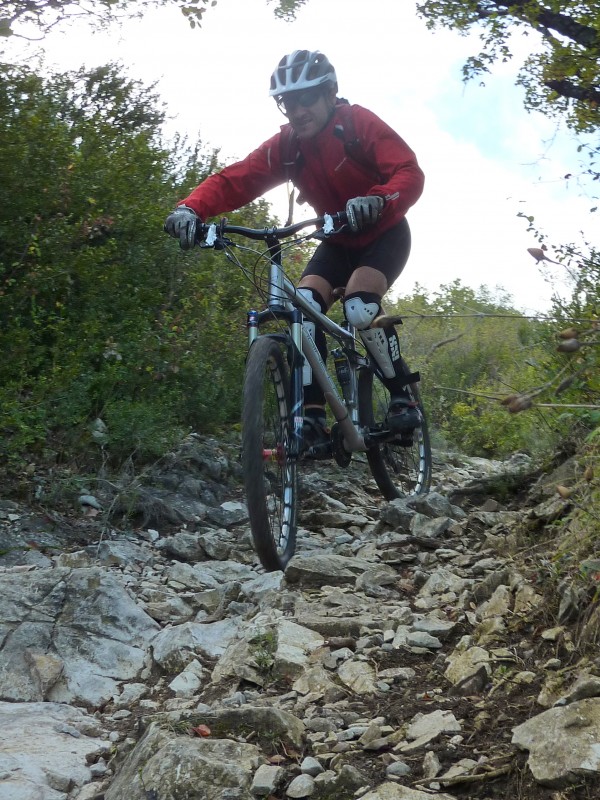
point(296, 383)
point(293, 319)
point(252, 324)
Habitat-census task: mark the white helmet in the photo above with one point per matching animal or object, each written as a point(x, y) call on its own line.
point(302, 69)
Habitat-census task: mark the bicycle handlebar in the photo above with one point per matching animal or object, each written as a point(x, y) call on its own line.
point(208, 233)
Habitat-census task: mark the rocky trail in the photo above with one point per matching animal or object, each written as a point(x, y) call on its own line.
point(411, 650)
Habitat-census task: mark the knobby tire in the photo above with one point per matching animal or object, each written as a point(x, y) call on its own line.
point(269, 473)
point(398, 470)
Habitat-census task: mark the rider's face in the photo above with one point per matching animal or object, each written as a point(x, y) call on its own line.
point(308, 111)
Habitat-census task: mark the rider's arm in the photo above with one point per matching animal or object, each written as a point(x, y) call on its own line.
point(402, 178)
point(239, 183)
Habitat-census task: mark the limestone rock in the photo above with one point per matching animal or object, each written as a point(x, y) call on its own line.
point(266, 780)
point(82, 619)
point(466, 661)
point(301, 786)
point(44, 749)
point(359, 676)
point(392, 791)
point(175, 647)
point(169, 765)
point(563, 743)
point(431, 725)
point(324, 569)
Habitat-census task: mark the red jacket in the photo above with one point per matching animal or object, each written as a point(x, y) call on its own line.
point(328, 177)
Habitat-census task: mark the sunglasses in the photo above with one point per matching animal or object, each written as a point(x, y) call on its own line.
point(290, 100)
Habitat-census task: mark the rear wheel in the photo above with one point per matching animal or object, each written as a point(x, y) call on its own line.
point(269, 473)
point(402, 466)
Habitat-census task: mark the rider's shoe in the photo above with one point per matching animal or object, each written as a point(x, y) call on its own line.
point(403, 415)
point(317, 437)
point(406, 438)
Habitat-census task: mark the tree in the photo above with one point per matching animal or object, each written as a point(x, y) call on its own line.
point(46, 14)
point(101, 315)
point(472, 348)
point(286, 9)
point(562, 76)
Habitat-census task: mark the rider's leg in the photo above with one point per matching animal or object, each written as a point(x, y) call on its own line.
point(313, 394)
point(362, 305)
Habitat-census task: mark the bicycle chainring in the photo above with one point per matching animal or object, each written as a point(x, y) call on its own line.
point(340, 454)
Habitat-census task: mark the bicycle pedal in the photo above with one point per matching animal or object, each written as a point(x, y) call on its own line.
point(318, 452)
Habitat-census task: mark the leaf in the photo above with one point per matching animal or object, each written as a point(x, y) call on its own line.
point(520, 403)
point(569, 346)
point(276, 759)
point(568, 333)
point(590, 568)
point(564, 491)
point(202, 730)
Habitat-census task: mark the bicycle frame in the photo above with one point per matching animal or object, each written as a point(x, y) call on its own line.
point(285, 303)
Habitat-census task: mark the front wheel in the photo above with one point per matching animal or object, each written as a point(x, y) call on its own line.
point(269, 472)
point(400, 466)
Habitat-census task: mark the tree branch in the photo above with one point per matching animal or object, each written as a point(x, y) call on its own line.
point(566, 88)
point(450, 339)
point(583, 35)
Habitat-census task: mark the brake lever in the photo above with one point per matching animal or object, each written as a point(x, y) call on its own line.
point(329, 223)
point(211, 236)
point(328, 226)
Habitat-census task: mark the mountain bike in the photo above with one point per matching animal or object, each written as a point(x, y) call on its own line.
point(278, 365)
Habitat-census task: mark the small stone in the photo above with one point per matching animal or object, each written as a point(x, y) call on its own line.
point(552, 634)
point(310, 766)
point(552, 664)
point(397, 770)
point(432, 725)
point(123, 713)
point(301, 786)
point(266, 780)
point(423, 639)
point(432, 765)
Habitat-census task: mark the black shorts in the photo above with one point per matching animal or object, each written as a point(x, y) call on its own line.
point(388, 254)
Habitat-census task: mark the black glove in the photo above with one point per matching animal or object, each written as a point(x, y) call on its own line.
point(364, 211)
point(181, 224)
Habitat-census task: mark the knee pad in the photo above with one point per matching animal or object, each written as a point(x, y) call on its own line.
point(314, 298)
point(361, 308)
point(315, 301)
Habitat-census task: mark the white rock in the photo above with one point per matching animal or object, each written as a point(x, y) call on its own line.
point(359, 676)
point(266, 780)
point(432, 725)
point(44, 749)
point(301, 786)
point(563, 743)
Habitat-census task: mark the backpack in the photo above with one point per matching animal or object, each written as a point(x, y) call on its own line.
point(291, 157)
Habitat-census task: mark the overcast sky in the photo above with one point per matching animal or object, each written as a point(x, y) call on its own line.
point(485, 159)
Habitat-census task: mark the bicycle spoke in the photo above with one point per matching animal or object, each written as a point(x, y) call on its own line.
point(400, 466)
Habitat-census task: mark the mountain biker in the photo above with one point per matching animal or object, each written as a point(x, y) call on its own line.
point(376, 191)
